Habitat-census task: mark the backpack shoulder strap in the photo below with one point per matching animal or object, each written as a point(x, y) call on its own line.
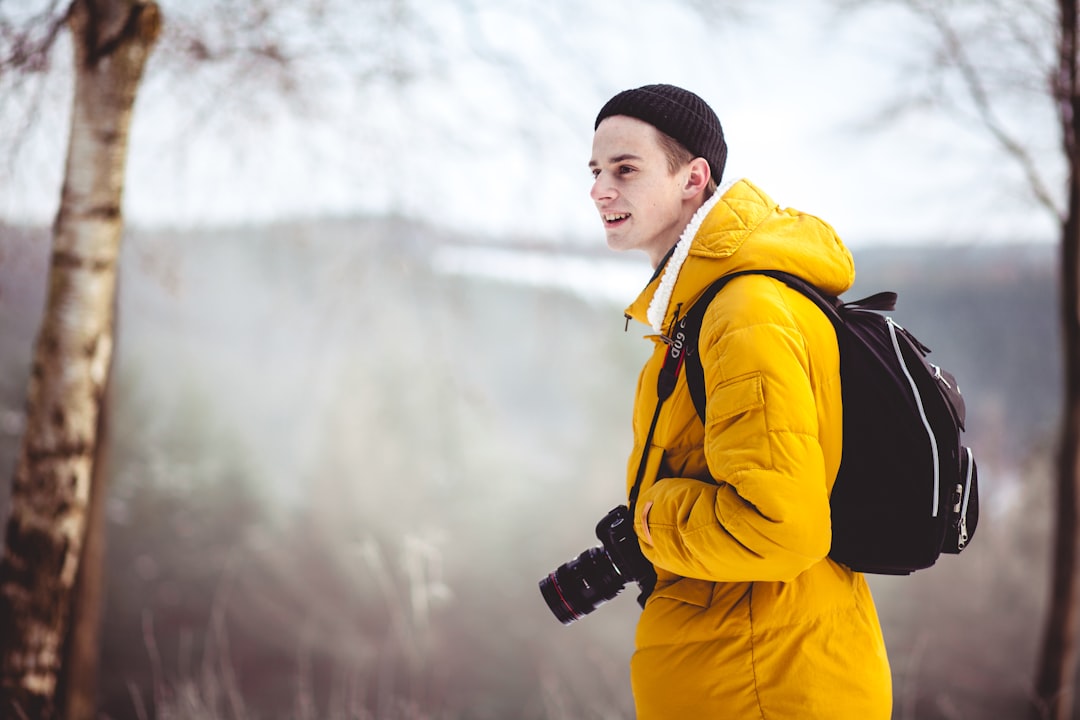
point(831, 306)
point(695, 374)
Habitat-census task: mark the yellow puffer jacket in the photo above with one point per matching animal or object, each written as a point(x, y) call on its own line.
point(749, 618)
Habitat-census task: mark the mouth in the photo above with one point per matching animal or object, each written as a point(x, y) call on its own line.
point(613, 219)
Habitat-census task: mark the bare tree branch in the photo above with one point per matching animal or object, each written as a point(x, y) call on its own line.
point(25, 46)
point(955, 55)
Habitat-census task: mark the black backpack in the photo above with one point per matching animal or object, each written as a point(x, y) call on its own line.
point(907, 489)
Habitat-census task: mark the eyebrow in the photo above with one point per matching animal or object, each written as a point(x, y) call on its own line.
point(617, 159)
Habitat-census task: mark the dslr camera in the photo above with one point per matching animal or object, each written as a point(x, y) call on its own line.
point(597, 575)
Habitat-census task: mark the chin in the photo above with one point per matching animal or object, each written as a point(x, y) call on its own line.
point(618, 243)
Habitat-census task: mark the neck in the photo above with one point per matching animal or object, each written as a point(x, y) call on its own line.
point(659, 303)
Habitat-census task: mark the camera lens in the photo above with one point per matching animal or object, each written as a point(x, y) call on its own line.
point(576, 588)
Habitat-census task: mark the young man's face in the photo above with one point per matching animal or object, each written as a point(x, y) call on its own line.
point(641, 202)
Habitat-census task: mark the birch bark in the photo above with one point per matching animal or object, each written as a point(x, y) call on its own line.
point(112, 40)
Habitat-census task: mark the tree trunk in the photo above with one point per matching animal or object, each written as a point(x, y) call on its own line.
point(77, 689)
point(1057, 669)
point(1058, 663)
point(52, 483)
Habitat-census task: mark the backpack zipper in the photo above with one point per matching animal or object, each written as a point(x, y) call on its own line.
point(963, 536)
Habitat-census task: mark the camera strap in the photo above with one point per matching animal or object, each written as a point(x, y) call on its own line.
point(682, 343)
point(679, 343)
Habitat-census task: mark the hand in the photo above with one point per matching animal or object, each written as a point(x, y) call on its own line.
point(645, 534)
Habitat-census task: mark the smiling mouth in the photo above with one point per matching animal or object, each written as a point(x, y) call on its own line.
point(614, 218)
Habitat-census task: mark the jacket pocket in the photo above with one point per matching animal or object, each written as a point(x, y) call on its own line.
point(737, 434)
point(736, 397)
point(688, 590)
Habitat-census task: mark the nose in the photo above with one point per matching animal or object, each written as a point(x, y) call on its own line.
point(601, 189)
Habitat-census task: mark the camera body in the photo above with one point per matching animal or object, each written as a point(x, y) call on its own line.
point(597, 575)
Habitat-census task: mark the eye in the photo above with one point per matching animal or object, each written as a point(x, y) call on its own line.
point(625, 169)
point(595, 172)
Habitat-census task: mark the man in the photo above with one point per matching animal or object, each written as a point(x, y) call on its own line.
point(749, 617)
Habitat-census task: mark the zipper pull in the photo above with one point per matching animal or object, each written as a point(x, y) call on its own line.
point(941, 378)
point(675, 320)
point(961, 520)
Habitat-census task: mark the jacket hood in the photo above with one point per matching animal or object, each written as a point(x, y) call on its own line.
point(742, 228)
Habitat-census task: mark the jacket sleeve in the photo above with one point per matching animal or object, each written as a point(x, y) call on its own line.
point(767, 517)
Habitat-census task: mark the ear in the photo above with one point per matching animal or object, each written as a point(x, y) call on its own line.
point(697, 177)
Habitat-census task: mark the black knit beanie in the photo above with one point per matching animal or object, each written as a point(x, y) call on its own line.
point(678, 113)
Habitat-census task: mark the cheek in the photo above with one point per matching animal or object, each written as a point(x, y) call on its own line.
point(655, 199)
point(663, 203)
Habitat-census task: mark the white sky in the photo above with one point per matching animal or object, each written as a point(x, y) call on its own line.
point(791, 80)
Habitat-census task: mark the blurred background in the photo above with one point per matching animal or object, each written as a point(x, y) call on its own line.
point(372, 381)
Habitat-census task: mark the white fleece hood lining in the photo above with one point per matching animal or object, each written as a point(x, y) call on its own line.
point(658, 307)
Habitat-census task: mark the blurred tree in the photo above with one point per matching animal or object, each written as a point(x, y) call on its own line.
point(1058, 664)
point(992, 61)
point(112, 40)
